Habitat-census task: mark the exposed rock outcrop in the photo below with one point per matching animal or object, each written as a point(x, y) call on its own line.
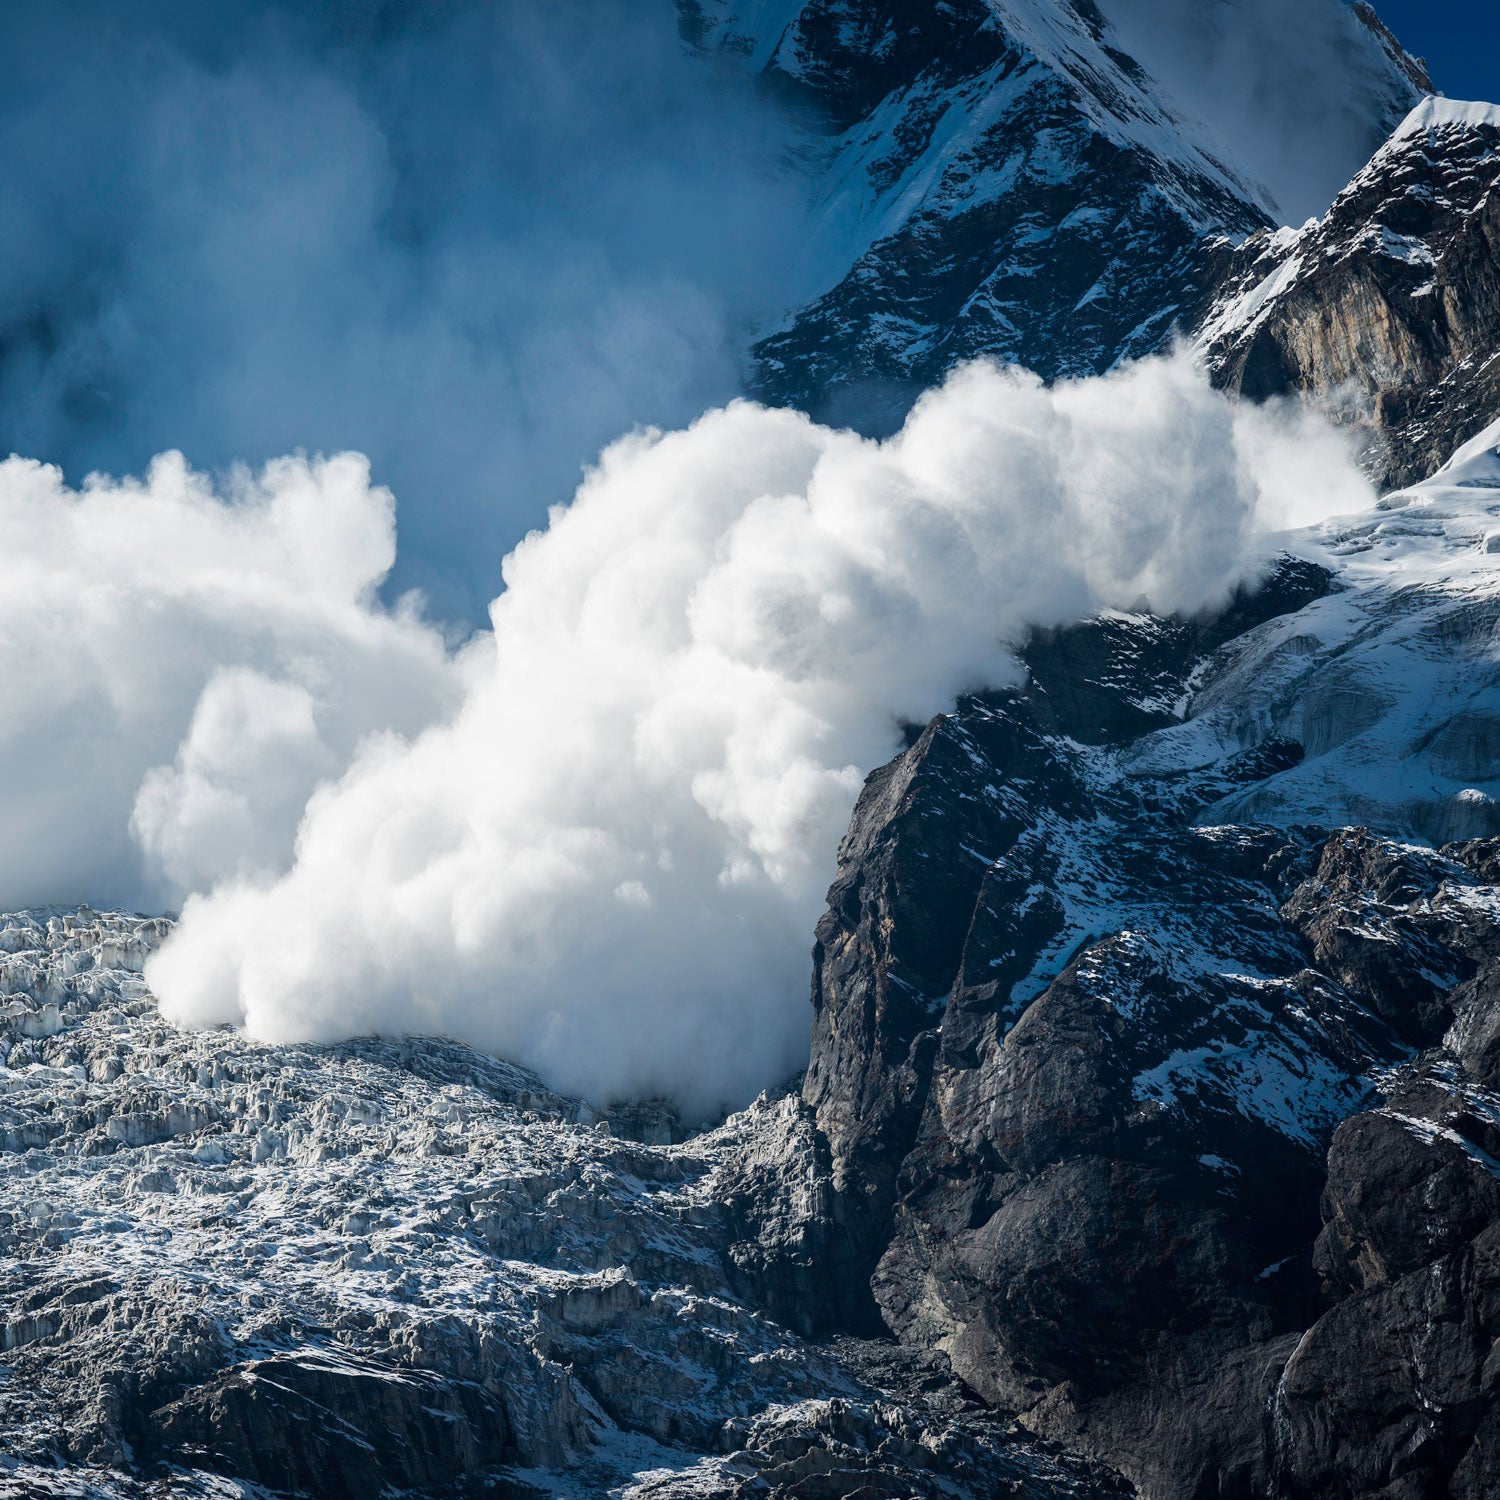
point(1387, 308)
point(995, 177)
point(1165, 1090)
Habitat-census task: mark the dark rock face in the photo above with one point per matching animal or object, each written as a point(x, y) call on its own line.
point(955, 283)
point(1131, 1118)
point(1388, 307)
point(1043, 239)
point(928, 928)
point(311, 1425)
point(995, 177)
point(887, 954)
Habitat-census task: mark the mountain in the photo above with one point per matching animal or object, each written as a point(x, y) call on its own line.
point(1152, 1106)
point(1001, 177)
point(1388, 305)
point(1155, 1039)
point(1154, 1028)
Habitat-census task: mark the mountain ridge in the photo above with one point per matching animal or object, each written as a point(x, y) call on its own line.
point(1385, 308)
point(1003, 181)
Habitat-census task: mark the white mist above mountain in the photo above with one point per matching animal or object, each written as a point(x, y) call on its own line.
point(475, 241)
point(140, 617)
point(1295, 94)
point(596, 840)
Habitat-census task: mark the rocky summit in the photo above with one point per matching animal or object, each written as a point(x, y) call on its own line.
point(1003, 178)
point(1385, 308)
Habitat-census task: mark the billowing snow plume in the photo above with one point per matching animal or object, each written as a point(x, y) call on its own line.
point(231, 643)
point(608, 862)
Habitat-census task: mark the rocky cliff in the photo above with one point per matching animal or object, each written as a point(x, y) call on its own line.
point(998, 177)
point(1388, 307)
point(1158, 1100)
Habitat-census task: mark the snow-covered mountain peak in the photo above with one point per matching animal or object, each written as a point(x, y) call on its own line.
point(1039, 181)
point(1437, 112)
point(1386, 306)
point(1436, 131)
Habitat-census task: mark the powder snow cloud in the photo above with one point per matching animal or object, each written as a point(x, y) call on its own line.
point(474, 240)
point(597, 837)
point(229, 645)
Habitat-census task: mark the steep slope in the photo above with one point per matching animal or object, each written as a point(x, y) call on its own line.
point(1105, 975)
point(1002, 178)
point(1388, 307)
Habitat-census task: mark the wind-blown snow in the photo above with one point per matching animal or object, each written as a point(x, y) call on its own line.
point(1476, 464)
point(607, 863)
point(1294, 95)
point(1391, 683)
point(233, 643)
point(476, 241)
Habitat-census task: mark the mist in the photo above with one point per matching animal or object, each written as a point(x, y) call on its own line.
point(1288, 88)
point(461, 248)
point(182, 667)
point(473, 241)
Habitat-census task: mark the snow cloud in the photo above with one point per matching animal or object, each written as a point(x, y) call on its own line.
point(230, 645)
point(475, 241)
point(596, 838)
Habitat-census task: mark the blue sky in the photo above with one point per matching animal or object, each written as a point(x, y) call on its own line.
point(1459, 38)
